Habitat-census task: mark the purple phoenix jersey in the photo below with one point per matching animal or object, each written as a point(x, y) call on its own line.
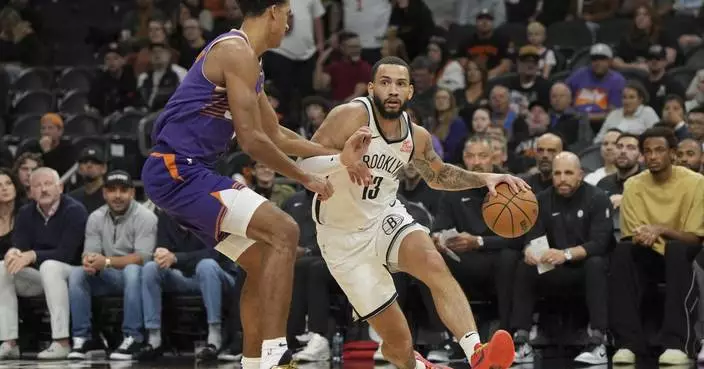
point(193, 130)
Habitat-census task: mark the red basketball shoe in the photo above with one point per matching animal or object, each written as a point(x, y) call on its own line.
point(498, 353)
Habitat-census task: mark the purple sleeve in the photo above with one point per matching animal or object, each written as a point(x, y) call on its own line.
point(616, 86)
point(458, 133)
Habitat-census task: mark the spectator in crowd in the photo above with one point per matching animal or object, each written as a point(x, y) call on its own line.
point(19, 44)
point(695, 123)
point(291, 66)
point(660, 84)
point(570, 124)
point(265, 185)
point(627, 165)
point(47, 236)
point(312, 284)
point(231, 18)
point(25, 164)
point(414, 189)
point(115, 86)
point(182, 263)
point(695, 91)
point(501, 112)
point(597, 89)
point(481, 120)
point(499, 150)
point(120, 238)
point(673, 113)
point(474, 92)
point(546, 148)
point(10, 203)
point(92, 166)
point(193, 43)
point(488, 47)
point(450, 129)
point(536, 37)
point(393, 46)
point(468, 12)
point(487, 261)
point(369, 19)
point(593, 11)
point(689, 154)
point(609, 153)
point(529, 86)
point(575, 218)
point(158, 84)
point(632, 50)
point(346, 78)
point(415, 25)
point(136, 23)
point(449, 72)
point(315, 109)
point(197, 10)
point(142, 59)
point(634, 117)
point(56, 153)
point(424, 88)
point(663, 226)
point(526, 131)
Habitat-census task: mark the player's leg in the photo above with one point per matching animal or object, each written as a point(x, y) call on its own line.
point(251, 261)
point(397, 343)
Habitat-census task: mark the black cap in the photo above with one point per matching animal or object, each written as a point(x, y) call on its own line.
point(657, 52)
point(485, 13)
point(92, 153)
point(113, 47)
point(118, 178)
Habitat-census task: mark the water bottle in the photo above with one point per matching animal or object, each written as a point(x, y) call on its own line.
point(337, 342)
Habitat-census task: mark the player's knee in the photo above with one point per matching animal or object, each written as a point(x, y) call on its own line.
point(434, 263)
point(284, 236)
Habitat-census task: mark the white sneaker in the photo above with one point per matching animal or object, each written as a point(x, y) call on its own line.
point(593, 355)
point(317, 349)
point(700, 357)
point(8, 351)
point(624, 356)
point(378, 355)
point(673, 357)
point(55, 351)
point(524, 354)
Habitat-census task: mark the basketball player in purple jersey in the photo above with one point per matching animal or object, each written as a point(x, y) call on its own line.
point(222, 96)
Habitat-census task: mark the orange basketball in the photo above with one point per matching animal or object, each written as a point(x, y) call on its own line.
point(510, 214)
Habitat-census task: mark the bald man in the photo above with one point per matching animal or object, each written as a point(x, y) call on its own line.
point(547, 146)
point(575, 218)
point(689, 154)
point(572, 125)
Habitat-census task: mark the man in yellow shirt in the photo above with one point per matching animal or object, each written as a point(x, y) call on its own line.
point(662, 223)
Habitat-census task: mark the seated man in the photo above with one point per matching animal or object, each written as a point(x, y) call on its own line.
point(546, 147)
point(690, 155)
point(608, 155)
point(47, 236)
point(662, 222)
point(92, 166)
point(575, 218)
point(120, 237)
point(486, 261)
point(183, 264)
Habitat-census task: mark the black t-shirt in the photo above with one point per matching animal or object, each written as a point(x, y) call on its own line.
point(60, 158)
point(539, 91)
point(91, 201)
point(519, 11)
point(659, 90)
point(490, 51)
point(634, 49)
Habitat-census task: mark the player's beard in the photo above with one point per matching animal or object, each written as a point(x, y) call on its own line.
point(389, 114)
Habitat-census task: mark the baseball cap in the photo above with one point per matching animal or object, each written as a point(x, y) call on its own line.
point(92, 153)
point(53, 118)
point(529, 51)
point(657, 52)
point(485, 13)
point(118, 178)
point(113, 47)
point(601, 51)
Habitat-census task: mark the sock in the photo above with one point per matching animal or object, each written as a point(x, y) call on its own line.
point(154, 338)
point(214, 337)
point(420, 364)
point(272, 350)
point(469, 342)
point(251, 362)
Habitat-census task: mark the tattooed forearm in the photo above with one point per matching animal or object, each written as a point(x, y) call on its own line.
point(453, 178)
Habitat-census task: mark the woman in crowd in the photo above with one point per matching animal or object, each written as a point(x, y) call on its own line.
point(449, 73)
point(645, 32)
point(634, 117)
point(449, 128)
point(24, 165)
point(9, 205)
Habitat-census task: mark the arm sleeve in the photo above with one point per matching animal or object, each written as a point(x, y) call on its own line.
point(629, 219)
point(601, 228)
point(93, 240)
point(145, 235)
point(71, 237)
point(443, 217)
point(695, 217)
point(323, 165)
point(616, 92)
point(23, 229)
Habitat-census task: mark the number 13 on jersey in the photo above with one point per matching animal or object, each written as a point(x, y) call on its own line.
point(372, 191)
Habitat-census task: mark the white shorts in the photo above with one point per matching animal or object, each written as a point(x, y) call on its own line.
point(241, 205)
point(362, 261)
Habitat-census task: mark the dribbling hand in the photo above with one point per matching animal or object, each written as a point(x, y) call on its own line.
point(516, 184)
point(319, 185)
point(351, 157)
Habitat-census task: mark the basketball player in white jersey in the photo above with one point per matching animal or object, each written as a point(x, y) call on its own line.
point(364, 232)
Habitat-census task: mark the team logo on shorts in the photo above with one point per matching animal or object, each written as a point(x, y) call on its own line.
point(391, 222)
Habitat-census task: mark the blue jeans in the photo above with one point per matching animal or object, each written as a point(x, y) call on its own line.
point(209, 279)
point(82, 286)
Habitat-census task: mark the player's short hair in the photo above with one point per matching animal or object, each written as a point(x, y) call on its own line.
point(389, 60)
point(478, 139)
point(656, 132)
point(255, 8)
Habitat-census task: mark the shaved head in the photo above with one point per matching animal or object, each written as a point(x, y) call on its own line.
point(569, 158)
point(546, 147)
point(567, 173)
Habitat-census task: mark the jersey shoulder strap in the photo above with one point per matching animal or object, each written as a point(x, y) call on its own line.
point(367, 102)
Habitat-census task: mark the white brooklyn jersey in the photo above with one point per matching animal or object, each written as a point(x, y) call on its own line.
point(356, 207)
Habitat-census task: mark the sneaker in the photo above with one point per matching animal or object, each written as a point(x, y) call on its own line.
point(378, 355)
point(594, 354)
point(128, 349)
point(148, 352)
point(673, 357)
point(230, 354)
point(428, 364)
point(84, 349)
point(55, 351)
point(624, 356)
point(700, 357)
point(498, 353)
point(317, 349)
point(208, 353)
point(524, 353)
point(286, 361)
point(8, 351)
point(450, 352)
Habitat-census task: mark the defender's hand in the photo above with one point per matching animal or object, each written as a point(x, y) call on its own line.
point(351, 157)
point(319, 185)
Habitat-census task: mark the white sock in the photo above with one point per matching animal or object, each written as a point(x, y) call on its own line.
point(420, 364)
point(214, 336)
point(272, 350)
point(154, 338)
point(468, 342)
point(251, 362)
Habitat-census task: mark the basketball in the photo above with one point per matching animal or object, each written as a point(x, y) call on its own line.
point(510, 214)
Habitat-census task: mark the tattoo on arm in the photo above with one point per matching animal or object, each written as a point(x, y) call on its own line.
point(443, 176)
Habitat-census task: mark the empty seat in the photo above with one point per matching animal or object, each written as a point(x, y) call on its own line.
point(33, 79)
point(126, 123)
point(74, 79)
point(612, 30)
point(144, 135)
point(27, 126)
point(683, 76)
point(74, 102)
point(574, 34)
point(591, 158)
point(516, 32)
point(695, 58)
point(33, 102)
point(125, 155)
point(84, 124)
point(581, 58)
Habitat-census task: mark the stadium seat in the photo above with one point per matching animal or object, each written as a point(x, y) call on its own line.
point(34, 102)
point(560, 76)
point(695, 58)
point(144, 133)
point(83, 124)
point(74, 79)
point(682, 75)
point(79, 143)
point(33, 79)
point(4, 92)
point(516, 32)
point(27, 145)
point(125, 154)
point(126, 123)
point(73, 102)
point(580, 58)
point(678, 25)
point(631, 74)
point(612, 30)
point(591, 158)
point(26, 126)
point(574, 34)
